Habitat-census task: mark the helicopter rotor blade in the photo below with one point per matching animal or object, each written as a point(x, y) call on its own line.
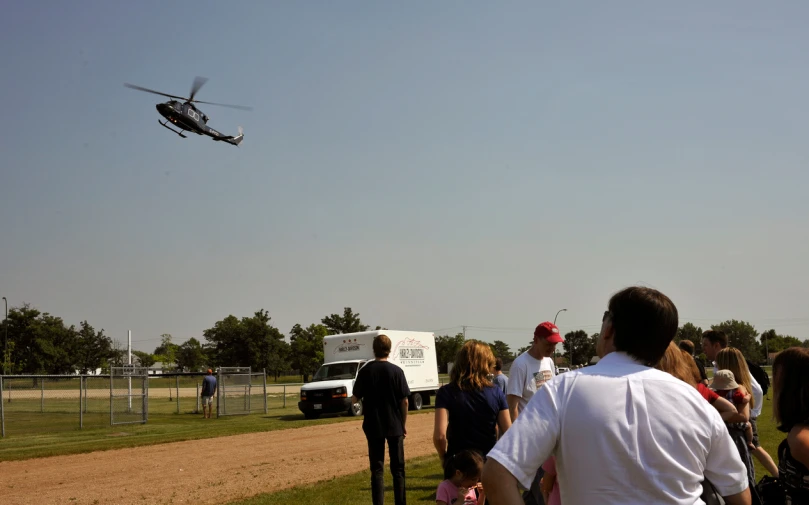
point(198, 83)
point(240, 107)
point(140, 88)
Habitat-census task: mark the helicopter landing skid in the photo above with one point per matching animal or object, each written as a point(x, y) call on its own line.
point(166, 126)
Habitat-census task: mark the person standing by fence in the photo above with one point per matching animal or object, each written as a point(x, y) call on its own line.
point(208, 390)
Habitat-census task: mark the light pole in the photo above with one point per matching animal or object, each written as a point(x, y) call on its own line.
point(554, 349)
point(766, 348)
point(5, 338)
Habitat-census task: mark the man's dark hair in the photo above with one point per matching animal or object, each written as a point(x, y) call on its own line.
point(644, 321)
point(791, 388)
point(381, 346)
point(687, 346)
point(716, 337)
point(498, 364)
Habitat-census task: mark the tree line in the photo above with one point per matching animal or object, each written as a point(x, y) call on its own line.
point(40, 343)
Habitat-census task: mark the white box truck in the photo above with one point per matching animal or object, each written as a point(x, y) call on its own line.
point(345, 354)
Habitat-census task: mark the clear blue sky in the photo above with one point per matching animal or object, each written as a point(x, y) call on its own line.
point(431, 165)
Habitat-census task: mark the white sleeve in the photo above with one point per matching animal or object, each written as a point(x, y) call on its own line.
point(531, 439)
point(724, 467)
point(516, 380)
point(758, 393)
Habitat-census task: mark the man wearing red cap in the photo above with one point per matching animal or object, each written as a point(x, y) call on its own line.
point(532, 368)
point(528, 373)
point(208, 390)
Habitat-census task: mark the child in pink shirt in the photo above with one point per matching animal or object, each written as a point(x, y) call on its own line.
point(461, 480)
point(549, 485)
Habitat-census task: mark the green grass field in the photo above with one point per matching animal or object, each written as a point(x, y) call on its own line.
point(422, 478)
point(424, 475)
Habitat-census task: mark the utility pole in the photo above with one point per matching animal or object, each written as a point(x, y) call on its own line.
point(5, 338)
point(464, 332)
point(766, 349)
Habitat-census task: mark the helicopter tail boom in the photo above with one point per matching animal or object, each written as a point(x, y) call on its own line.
point(230, 139)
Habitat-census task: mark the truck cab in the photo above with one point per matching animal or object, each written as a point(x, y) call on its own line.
point(331, 389)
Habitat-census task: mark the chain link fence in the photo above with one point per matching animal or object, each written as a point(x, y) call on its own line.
point(43, 404)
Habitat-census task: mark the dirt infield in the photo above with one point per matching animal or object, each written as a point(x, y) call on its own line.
point(211, 471)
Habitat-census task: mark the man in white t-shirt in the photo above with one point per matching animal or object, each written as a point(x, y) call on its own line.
point(622, 432)
point(532, 368)
point(528, 373)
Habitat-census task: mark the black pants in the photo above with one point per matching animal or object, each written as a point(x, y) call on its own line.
point(376, 456)
point(533, 496)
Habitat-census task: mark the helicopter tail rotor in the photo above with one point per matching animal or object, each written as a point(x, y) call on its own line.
point(238, 138)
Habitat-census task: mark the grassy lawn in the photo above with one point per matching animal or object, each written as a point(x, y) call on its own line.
point(422, 478)
point(424, 475)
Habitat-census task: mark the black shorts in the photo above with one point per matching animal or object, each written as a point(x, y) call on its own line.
point(756, 443)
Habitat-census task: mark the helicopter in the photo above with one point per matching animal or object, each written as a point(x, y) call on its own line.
point(185, 116)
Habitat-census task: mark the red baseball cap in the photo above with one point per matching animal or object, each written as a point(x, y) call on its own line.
point(549, 331)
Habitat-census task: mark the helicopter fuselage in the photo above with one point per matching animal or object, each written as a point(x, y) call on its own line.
point(186, 117)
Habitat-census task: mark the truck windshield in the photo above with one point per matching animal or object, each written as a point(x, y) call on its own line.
point(335, 371)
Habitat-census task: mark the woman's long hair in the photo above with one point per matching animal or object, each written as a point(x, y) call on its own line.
point(673, 362)
point(732, 359)
point(790, 388)
point(692, 365)
point(473, 364)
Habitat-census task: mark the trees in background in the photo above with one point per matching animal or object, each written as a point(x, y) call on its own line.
point(501, 350)
point(743, 336)
point(349, 322)
point(250, 341)
point(40, 343)
point(306, 348)
point(446, 348)
point(579, 347)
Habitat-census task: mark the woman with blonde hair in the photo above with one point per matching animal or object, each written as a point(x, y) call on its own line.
point(470, 406)
point(732, 359)
point(733, 381)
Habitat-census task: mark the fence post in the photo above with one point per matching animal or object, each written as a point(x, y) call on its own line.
point(220, 391)
point(81, 408)
point(145, 389)
point(285, 396)
point(2, 410)
point(177, 377)
point(196, 411)
point(42, 397)
point(264, 388)
point(111, 386)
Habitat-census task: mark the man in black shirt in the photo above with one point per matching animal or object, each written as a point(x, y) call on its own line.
point(383, 389)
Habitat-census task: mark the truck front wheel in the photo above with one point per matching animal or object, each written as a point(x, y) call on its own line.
point(355, 409)
point(415, 401)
